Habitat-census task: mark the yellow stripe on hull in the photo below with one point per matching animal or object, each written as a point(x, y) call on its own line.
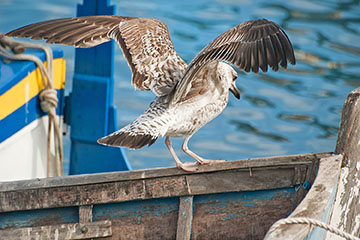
point(29, 87)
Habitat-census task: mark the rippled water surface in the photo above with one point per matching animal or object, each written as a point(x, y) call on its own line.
point(285, 112)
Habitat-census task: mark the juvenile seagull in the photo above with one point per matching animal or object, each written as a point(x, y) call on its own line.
point(187, 96)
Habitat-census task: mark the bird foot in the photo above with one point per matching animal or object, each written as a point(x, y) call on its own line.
point(188, 166)
point(209, 162)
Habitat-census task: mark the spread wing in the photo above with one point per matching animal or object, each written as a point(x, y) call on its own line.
point(146, 45)
point(249, 46)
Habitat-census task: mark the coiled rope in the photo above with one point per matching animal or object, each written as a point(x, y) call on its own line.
point(48, 96)
point(313, 222)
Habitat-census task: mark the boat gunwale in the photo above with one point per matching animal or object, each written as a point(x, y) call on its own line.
point(108, 177)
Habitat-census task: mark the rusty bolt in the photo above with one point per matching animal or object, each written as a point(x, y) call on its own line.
point(84, 229)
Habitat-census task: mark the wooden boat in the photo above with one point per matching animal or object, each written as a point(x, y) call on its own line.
point(231, 200)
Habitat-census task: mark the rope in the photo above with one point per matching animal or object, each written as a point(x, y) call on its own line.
point(48, 96)
point(314, 222)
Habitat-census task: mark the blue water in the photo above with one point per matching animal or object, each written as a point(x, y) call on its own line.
point(287, 112)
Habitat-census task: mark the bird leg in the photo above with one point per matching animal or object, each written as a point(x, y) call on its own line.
point(199, 159)
point(189, 167)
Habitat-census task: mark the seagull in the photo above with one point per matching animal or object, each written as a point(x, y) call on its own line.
point(187, 96)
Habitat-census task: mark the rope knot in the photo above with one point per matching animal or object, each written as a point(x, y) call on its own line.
point(48, 99)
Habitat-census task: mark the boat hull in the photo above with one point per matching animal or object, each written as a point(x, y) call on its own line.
point(232, 200)
point(24, 126)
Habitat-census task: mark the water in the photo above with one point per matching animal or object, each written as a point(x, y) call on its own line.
point(287, 112)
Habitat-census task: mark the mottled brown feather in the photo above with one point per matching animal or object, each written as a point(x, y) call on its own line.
point(153, 57)
point(242, 43)
point(146, 45)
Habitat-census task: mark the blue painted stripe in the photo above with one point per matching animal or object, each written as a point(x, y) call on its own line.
point(25, 115)
point(136, 209)
point(31, 218)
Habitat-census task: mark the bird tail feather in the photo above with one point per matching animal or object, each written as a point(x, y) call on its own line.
point(128, 139)
point(145, 130)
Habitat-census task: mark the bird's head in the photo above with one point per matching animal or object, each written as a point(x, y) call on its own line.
point(233, 88)
point(230, 75)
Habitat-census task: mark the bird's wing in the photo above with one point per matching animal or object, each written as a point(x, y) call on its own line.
point(248, 46)
point(202, 85)
point(145, 43)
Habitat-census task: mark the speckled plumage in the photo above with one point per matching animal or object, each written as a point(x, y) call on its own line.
point(187, 97)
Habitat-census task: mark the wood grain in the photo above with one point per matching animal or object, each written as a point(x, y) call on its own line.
point(61, 231)
point(183, 230)
point(85, 213)
point(159, 172)
point(180, 185)
point(346, 214)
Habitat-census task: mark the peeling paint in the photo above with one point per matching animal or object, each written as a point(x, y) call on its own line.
point(250, 204)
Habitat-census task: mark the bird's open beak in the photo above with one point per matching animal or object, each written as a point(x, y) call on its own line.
point(235, 90)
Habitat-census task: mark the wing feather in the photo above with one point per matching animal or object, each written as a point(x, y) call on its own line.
point(154, 58)
point(254, 58)
point(248, 46)
point(57, 29)
point(145, 43)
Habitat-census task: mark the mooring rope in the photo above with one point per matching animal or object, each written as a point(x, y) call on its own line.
point(48, 96)
point(314, 222)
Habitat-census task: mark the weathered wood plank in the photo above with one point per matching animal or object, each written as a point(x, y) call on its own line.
point(183, 230)
point(316, 202)
point(239, 215)
point(302, 174)
point(311, 173)
point(181, 185)
point(85, 213)
point(346, 212)
point(156, 173)
point(348, 139)
point(145, 219)
point(62, 231)
point(240, 180)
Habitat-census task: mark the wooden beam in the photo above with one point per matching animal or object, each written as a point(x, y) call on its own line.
point(348, 139)
point(183, 231)
point(175, 186)
point(61, 231)
point(156, 173)
point(346, 213)
point(85, 213)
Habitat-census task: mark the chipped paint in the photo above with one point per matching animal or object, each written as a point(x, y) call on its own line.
point(215, 214)
point(231, 216)
point(22, 219)
point(250, 204)
point(355, 195)
point(136, 209)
